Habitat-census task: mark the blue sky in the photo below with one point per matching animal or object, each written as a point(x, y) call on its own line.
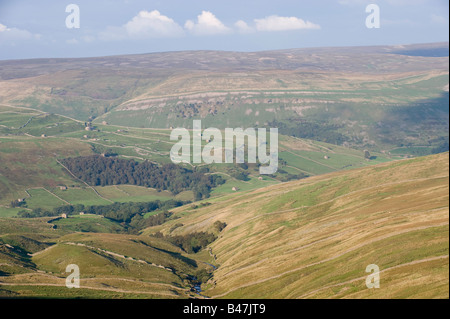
point(36, 29)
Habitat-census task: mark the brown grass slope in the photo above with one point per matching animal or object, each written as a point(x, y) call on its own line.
point(313, 238)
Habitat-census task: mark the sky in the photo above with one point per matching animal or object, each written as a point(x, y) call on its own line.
point(86, 28)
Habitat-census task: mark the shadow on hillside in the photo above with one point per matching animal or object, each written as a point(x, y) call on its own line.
point(184, 259)
point(426, 121)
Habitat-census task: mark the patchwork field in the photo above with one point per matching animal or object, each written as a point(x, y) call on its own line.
point(31, 169)
point(302, 239)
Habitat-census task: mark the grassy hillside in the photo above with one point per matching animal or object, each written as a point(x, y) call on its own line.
point(111, 265)
point(314, 238)
point(32, 143)
point(375, 97)
point(347, 194)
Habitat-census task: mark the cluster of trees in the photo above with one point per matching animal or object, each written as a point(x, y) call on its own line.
point(240, 175)
point(286, 177)
point(193, 242)
point(17, 203)
point(441, 147)
point(129, 214)
point(219, 226)
point(300, 128)
point(195, 206)
point(138, 222)
point(37, 212)
point(98, 170)
point(190, 243)
point(124, 212)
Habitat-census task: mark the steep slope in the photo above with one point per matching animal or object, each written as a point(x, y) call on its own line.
point(314, 238)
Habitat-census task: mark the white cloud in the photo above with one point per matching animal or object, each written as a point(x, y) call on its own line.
point(14, 34)
point(144, 25)
point(152, 25)
point(207, 24)
point(243, 27)
point(276, 23)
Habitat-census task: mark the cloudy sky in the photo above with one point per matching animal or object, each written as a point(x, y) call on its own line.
point(43, 28)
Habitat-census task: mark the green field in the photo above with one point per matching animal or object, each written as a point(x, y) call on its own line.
point(88, 223)
point(32, 163)
point(43, 198)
